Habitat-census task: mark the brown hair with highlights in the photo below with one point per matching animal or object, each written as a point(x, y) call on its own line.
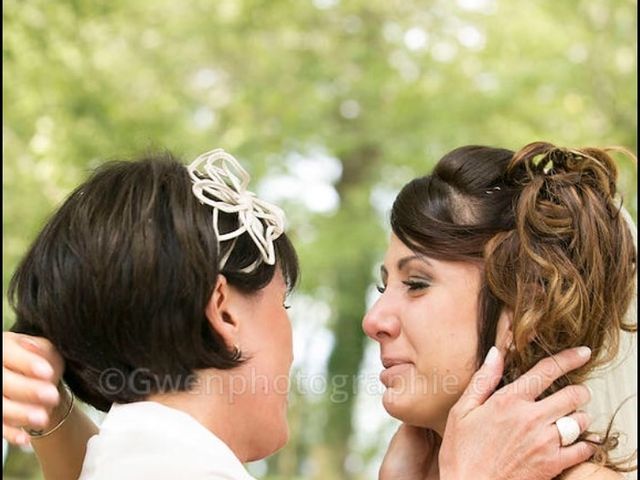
point(546, 223)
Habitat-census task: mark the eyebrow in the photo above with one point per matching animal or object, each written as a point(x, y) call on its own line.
point(403, 262)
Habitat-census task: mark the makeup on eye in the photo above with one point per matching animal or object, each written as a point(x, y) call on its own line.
point(417, 284)
point(410, 268)
point(413, 284)
point(384, 275)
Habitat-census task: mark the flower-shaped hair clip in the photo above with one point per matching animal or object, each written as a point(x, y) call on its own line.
point(220, 182)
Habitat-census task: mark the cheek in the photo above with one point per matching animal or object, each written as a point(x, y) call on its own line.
point(281, 341)
point(446, 344)
point(285, 336)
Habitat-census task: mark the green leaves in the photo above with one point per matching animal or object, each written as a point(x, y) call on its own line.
point(386, 87)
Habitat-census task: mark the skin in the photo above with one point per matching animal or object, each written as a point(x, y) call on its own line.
point(36, 367)
point(426, 324)
point(256, 392)
point(253, 394)
point(528, 448)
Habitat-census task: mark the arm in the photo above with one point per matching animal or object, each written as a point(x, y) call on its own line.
point(32, 368)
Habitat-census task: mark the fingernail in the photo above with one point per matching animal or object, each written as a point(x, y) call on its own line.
point(595, 438)
point(22, 439)
point(43, 370)
point(584, 352)
point(492, 356)
point(49, 394)
point(38, 418)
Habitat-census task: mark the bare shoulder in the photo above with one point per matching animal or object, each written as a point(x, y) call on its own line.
point(590, 471)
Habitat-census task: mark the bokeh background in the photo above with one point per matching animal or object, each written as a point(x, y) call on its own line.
point(332, 106)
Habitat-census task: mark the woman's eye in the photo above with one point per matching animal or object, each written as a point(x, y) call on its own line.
point(416, 285)
point(381, 288)
point(286, 306)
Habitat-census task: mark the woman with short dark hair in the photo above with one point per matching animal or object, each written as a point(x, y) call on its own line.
point(163, 288)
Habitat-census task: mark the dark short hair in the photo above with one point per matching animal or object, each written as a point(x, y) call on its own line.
point(119, 278)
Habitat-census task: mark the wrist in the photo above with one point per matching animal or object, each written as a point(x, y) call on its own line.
point(450, 469)
point(58, 415)
point(61, 410)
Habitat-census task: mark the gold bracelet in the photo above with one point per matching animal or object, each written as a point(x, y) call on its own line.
point(41, 433)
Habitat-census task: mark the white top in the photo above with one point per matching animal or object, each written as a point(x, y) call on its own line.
point(147, 440)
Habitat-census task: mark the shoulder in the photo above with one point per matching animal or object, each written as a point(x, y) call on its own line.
point(590, 471)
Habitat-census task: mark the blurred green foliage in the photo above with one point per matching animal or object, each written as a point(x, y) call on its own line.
point(384, 86)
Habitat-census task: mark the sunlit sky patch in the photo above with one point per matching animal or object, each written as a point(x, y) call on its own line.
point(309, 181)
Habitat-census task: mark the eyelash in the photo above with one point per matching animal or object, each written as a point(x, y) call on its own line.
point(413, 286)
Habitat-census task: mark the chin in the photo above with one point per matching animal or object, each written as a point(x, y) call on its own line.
point(409, 409)
point(276, 437)
point(282, 436)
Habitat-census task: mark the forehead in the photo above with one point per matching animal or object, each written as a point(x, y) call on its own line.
point(456, 271)
point(396, 250)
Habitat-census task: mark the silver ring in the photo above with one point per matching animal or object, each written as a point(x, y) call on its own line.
point(569, 430)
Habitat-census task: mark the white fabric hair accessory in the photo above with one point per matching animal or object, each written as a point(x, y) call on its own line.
point(220, 182)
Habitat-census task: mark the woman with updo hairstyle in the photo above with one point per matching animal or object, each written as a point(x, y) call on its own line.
point(530, 251)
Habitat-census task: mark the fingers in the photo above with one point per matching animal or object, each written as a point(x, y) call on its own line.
point(17, 387)
point(32, 356)
point(31, 369)
point(482, 384)
point(583, 419)
point(15, 414)
point(575, 454)
point(546, 371)
point(14, 435)
point(46, 349)
point(563, 402)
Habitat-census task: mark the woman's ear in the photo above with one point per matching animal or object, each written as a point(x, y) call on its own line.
point(218, 312)
point(504, 330)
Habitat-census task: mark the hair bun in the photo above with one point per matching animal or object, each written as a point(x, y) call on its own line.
point(591, 167)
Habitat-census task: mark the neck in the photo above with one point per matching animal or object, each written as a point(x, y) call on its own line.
point(211, 406)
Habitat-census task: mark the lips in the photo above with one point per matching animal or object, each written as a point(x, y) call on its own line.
point(393, 367)
point(388, 362)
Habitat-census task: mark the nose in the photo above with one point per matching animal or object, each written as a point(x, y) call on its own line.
point(381, 322)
